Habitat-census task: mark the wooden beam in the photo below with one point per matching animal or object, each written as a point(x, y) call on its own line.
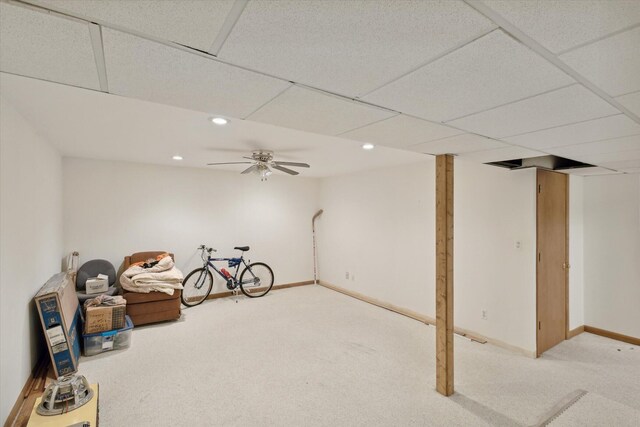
point(612, 335)
point(444, 274)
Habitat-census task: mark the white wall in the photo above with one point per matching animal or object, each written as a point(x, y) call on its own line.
point(380, 226)
point(112, 209)
point(494, 210)
point(30, 244)
point(612, 253)
point(576, 251)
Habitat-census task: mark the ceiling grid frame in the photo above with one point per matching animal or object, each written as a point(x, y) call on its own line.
point(597, 39)
point(63, 14)
point(95, 32)
point(431, 60)
point(229, 22)
point(477, 5)
point(532, 44)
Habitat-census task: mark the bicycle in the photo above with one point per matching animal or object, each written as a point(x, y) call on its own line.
point(198, 284)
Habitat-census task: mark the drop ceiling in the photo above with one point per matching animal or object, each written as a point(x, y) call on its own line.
point(96, 125)
point(486, 80)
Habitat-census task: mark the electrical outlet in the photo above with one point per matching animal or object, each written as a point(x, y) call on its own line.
point(346, 275)
point(484, 314)
point(518, 244)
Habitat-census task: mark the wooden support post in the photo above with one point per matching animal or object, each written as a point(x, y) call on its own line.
point(444, 274)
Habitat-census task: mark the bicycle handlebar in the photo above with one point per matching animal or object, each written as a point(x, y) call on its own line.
point(203, 247)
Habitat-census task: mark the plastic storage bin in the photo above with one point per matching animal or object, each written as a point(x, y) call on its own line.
point(110, 340)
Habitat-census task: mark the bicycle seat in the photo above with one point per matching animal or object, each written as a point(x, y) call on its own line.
point(242, 248)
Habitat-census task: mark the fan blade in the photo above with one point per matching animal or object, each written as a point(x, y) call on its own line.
point(289, 171)
point(300, 165)
point(229, 163)
point(246, 157)
point(250, 169)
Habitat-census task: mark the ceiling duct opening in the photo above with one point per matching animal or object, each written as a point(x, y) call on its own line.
point(553, 163)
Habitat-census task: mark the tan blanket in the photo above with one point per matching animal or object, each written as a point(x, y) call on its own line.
point(162, 277)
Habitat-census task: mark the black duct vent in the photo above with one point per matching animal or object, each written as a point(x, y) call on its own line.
point(553, 163)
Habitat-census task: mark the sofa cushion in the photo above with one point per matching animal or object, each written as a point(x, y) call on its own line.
point(141, 298)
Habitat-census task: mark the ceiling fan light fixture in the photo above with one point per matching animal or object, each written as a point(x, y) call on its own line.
point(368, 146)
point(263, 171)
point(220, 121)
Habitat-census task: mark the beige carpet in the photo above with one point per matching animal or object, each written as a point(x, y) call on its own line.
point(595, 410)
point(309, 356)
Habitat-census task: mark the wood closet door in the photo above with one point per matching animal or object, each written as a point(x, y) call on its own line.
point(552, 261)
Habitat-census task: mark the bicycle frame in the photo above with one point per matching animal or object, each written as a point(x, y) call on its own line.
point(208, 264)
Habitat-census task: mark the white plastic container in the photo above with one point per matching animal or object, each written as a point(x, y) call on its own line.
point(110, 340)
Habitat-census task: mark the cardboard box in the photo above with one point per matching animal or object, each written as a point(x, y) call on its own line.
point(104, 318)
point(57, 305)
point(97, 285)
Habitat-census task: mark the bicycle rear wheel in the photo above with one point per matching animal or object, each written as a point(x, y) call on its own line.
point(197, 287)
point(256, 280)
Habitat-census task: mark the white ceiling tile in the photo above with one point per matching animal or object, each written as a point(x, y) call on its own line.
point(607, 159)
point(314, 111)
point(577, 133)
point(631, 101)
point(458, 144)
point(348, 47)
point(561, 24)
point(193, 23)
point(491, 71)
point(588, 150)
point(563, 106)
point(48, 47)
point(98, 125)
point(143, 69)
point(623, 165)
point(499, 154)
point(400, 131)
point(590, 171)
point(612, 64)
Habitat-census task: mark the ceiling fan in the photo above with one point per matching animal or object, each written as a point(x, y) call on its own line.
point(262, 162)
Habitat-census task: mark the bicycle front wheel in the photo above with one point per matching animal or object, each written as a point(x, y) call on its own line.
point(197, 287)
point(256, 280)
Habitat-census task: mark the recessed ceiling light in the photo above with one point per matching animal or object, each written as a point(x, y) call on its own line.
point(219, 121)
point(368, 146)
point(177, 157)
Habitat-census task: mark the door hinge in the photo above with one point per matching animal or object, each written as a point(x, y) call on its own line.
point(539, 188)
point(539, 256)
point(539, 325)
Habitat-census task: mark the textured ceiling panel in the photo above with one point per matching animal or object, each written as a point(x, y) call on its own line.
point(631, 101)
point(617, 145)
point(589, 131)
point(590, 171)
point(48, 47)
point(491, 71)
point(608, 159)
point(458, 144)
point(193, 23)
point(348, 47)
point(314, 111)
point(400, 131)
point(560, 107)
point(612, 64)
point(623, 165)
point(498, 154)
point(561, 24)
point(142, 69)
